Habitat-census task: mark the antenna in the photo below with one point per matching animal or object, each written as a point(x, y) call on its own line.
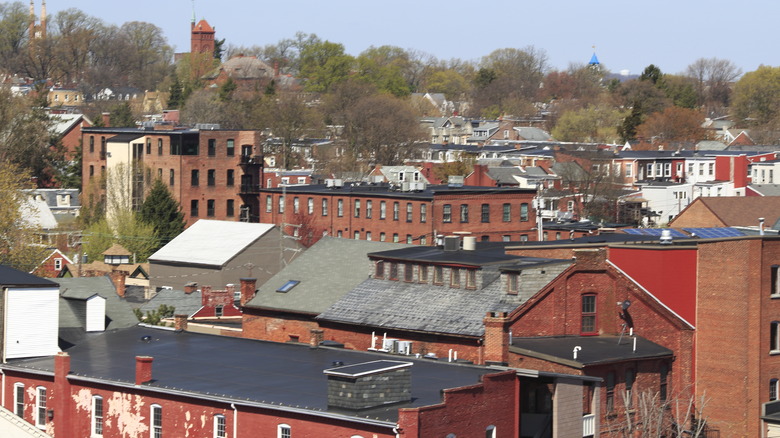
point(193, 12)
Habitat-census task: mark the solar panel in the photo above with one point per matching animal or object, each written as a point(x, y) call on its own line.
point(709, 233)
point(655, 232)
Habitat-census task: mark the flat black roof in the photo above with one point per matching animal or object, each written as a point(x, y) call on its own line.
point(277, 375)
point(594, 350)
point(384, 190)
point(14, 277)
point(479, 257)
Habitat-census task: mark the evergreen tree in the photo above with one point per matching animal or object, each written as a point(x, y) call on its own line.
point(162, 212)
point(176, 94)
point(226, 90)
point(122, 116)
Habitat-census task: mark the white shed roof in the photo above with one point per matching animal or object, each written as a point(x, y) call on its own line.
point(210, 242)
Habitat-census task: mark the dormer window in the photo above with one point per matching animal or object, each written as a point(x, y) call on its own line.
point(438, 274)
point(408, 272)
point(471, 279)
point(393, 271)
point(454, 277)
point(422, 274)
point(512, 283)
point(379, 271)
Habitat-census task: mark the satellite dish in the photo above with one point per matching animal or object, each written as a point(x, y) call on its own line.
point(625, 304)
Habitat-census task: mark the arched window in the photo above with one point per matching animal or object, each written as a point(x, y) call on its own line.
point(490, 432)
point(773, 389)
point(19, 399)
point(40, 407)
point(283, 431)
point(155, 423)
point(588, 316)
point(220, 430)
point(97, 416)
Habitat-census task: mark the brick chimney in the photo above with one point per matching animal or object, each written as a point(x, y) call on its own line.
point(106, 120)
point(496, 343)
point(143, 369)
point(590, 258)
point(60, 406)
point(190, 287)
point(118, 278)
point(248, 289)
point(180, 322)
point(316, 337)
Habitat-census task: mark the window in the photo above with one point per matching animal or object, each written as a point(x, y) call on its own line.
point(357, 235)
point(148, 146)
point(454, 277)
point(210, 208)
point(629, 388)
point(773, 389)
point(524, 212)
point(156, 423)
point(464, 213)
point(711, 169)
point(393, 271)
point(423, 213)
point(40, 407)
point(423, 240)
point(195, 177)
point(610, 384)
point(287, 287)
point(507, 216)
point(357, 207)
point(379, 269)
point(92, 171)
point(471, 279)
point(220, 429)
point(97, 416)
point(57, 264)
point(171, 177)
point(230, 208)
point(485, 212)
point(382, 237)
point(212, 147)
point(667, 169)
point(422, 274)
point(310, 205)
point(408, 272)
point(19, 399)
point(629, 169)
point(218, 311)
point(774, 337)
point(283, 431)
point(396, 210)
point(230, 149)
point(382, 210)
point(194, 208)
point(211, 177)
point(664, 379)
point(159, 146)
point(490, 432)
point(369, 209)
point(269, 202)
point(324, 207)
point(511, 283)
point(368, 235)
point(775, 286)
point(409, 211)
point(409, 239)
point(446, 213)
point(588, 325)
point(159, 174)
point(438, 275)
point(296, 205)
point(340, 208)
point(281, 204)
point(91, 143)
point(230, 177)
point(395, 237)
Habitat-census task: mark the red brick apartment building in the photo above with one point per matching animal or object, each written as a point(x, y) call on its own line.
point(714, 302)
point(385, 213)
point(212, 173)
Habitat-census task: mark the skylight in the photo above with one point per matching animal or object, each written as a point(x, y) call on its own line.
point(288, 286)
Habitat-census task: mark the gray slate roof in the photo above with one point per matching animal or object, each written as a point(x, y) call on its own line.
point(438, 309)
point(72, 290)
point(183, 303)
point(327, 271)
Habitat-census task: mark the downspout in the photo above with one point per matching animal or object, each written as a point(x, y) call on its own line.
point(2, 397)
point(235, 420)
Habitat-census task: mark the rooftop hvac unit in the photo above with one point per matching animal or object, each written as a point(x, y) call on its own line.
point(404, 347)
point(390, 345)
point(455, 181)
point(406, 186)
point(451, 243)
point(333, 182)
point(417, 186)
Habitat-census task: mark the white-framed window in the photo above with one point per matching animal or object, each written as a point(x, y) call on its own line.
point(490, 432)
point(40, 407)
point(281, 204)
point(667, 169)
point(659, 169)
point(301, 180)
point(310, 206)
point(296, 205)
point(368, 235)
point(220, 429)
point(155, 426)
point(218, 311)
point(774, 337)
point(97, 416)
point(283, 431)
point(19, 399)
point(629, 169)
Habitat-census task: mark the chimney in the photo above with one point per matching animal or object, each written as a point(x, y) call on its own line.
point(143, 369)
point(118, 278)
point(61, 364)
point(496, 344)
point(190, 287)
point(205, 295)
point(247, 290)
point(106, 120)
point(316, 337)
point(180, 322)
point(590, 258)
point(370, 384)
point(276, 69)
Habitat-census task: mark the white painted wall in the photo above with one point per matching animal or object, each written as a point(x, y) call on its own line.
point(96, 314)
point(32, 322)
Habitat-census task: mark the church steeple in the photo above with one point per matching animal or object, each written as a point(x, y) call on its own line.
point(594, 60)
point(37, 30)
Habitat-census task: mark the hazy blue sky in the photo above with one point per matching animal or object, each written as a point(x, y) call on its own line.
point(627, 34)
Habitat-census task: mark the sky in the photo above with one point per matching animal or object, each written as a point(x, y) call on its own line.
point(627, 35)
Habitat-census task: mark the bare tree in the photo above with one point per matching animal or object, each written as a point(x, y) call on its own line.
point(655, 417)
point(713, 78)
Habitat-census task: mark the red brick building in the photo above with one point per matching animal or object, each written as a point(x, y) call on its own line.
point(212, 173)
point(411, 214)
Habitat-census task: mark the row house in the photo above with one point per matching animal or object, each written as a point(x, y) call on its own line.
point(412, 213)
point(212, 173)
point(713, 302)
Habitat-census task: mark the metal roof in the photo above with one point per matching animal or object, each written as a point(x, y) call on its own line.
point(210, 242)
point(10, 277)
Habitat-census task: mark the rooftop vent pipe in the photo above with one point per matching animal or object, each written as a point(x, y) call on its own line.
point(666, 237)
